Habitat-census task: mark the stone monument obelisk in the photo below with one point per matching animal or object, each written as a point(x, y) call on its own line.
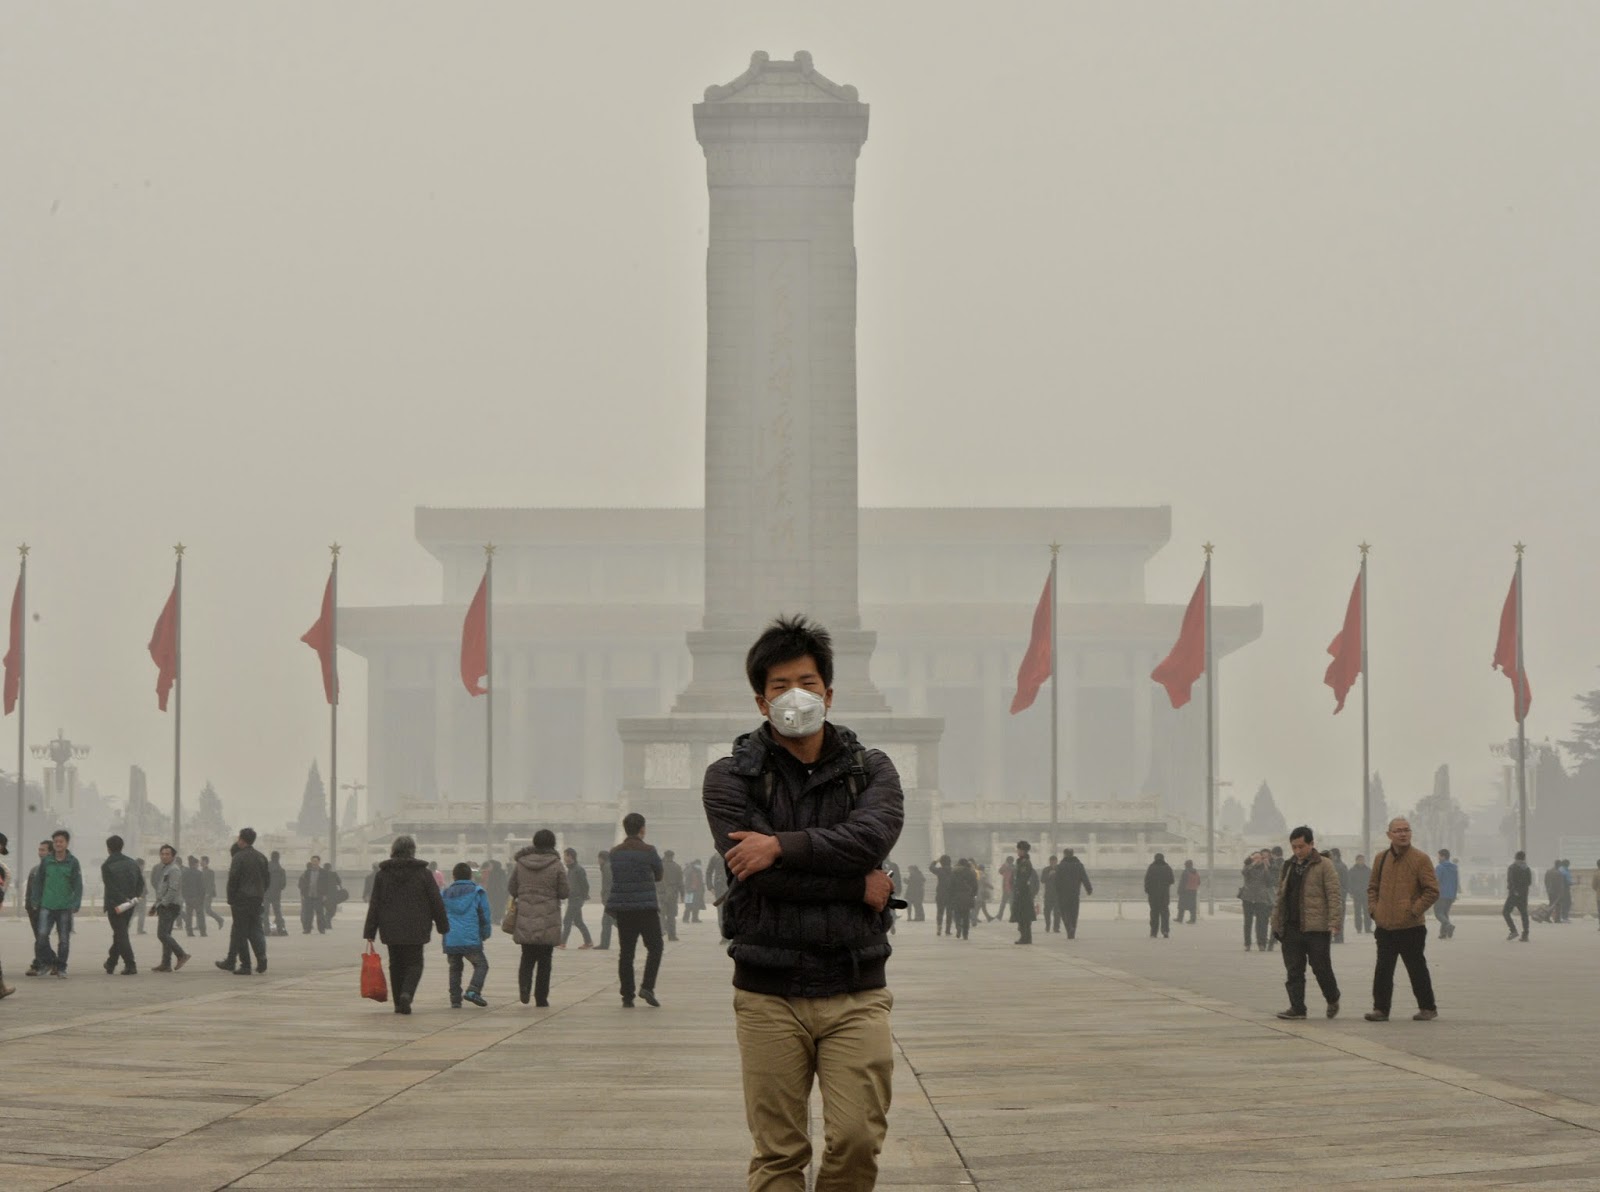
point(781, 514)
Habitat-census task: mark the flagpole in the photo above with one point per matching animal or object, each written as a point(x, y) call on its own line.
point(488, 682)
point(333, 719)
point(22, 704)
point(1519, 689)
point(1211, 752)
point(177, 707)
point(1366, 720)
point(1055, 705)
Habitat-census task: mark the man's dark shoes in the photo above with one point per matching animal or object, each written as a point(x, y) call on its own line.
point(111, 967)
point(244, 972)
point(225, 966)
point(1425, 1016)
point(1513, 936)
point(649, 996)
point(627, 1003)
point(1376, 1016)
point(130, 971)
point(162, 968)
point(476, 998)
point(402, 1003)
point(541, 1005)
point(262, 968)
point(1333, 1009)
point(1291, 1013)
point(180, 962)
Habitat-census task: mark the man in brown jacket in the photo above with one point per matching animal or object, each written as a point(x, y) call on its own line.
point(1309, 910)
point(1399, 892)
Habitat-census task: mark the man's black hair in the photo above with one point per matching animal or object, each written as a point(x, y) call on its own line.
point(248, 835)
point(1302, 833)
point(462, 872)
point(174, 851)
point(61, 832)
point(274, 854)
point(785, 640)
point(1521, 856)
point(544, 838)
point(632, 824)
point(113, 844)
point(1445, 853)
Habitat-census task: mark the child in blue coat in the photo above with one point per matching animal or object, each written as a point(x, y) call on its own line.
point(467, 905)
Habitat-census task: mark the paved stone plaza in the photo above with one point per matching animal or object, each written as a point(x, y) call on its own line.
point(1112, 1062)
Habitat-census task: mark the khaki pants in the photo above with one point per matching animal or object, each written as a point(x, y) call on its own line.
point(843, 1041)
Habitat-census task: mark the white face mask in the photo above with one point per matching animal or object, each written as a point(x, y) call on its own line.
point(797, 713)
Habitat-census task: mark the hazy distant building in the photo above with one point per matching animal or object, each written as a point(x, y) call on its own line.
point(620, 634)
point(593, 607)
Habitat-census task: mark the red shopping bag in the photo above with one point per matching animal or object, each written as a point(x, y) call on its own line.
point(372, 983)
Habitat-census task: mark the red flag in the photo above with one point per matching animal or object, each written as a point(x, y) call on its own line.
point(1346, 650)
point(320, 638)
point(1035, 668)
point(1187, 662)
point(164, 648)
point(13, 661)
point(475, 641)
point(1505, 655)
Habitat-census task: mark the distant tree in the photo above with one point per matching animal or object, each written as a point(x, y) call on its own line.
point(1380, 805)
point(1266, 821)
point(1438, 821)
point(208, 826)
point(1584, 747)
point(1230, 816)
point(313, 819)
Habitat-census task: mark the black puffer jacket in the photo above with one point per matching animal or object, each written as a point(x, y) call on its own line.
point(802, 928)
point(405, 903)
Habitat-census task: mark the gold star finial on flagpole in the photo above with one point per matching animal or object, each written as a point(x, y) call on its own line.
point(1519, 548)
point(489, 548)
point(178, 550)
point(1055, 549)
point(334, 550)
point(23, 550)
point(1364, 548)
point(1208, 548)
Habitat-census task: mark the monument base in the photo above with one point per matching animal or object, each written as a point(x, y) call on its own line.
point(664, 760)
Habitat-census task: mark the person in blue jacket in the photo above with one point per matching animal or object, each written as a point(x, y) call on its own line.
point(1449, 887)
point(467, 905)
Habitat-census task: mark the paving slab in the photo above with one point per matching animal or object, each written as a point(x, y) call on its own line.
point(1110, 1061)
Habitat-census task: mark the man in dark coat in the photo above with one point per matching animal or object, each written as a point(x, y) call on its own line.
point(578, 894)
point(1071, 880)
point(278, 879)
point(330, 889)
point(603, 864)
point(208, 893)
point(194, 894)
point(636, 871)
point(1024, 886)
point(311, 909)
point(249, 878)
point(916, 884)
point(671, 890)
point(1158, 881)
point(1519, 880)
point(405, 903)
point(1047, 891)
point(942, 922)
point(123, 882)
point(1355, 885)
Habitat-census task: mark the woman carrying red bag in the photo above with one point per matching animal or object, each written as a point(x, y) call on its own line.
point(405, 904)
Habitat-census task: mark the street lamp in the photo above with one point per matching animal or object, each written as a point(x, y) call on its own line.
point(61, 751)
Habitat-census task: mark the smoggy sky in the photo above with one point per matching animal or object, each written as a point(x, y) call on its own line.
point(274, 274)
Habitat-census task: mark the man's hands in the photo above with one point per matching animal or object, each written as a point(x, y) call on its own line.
point(879, 888)
point(751, 853)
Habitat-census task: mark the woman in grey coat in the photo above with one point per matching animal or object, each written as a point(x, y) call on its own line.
point(538, 884)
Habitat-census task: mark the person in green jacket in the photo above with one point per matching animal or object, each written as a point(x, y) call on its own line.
point(60, 897)
point(123, 882)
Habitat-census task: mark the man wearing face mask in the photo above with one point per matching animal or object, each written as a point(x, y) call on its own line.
point(804, 817)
